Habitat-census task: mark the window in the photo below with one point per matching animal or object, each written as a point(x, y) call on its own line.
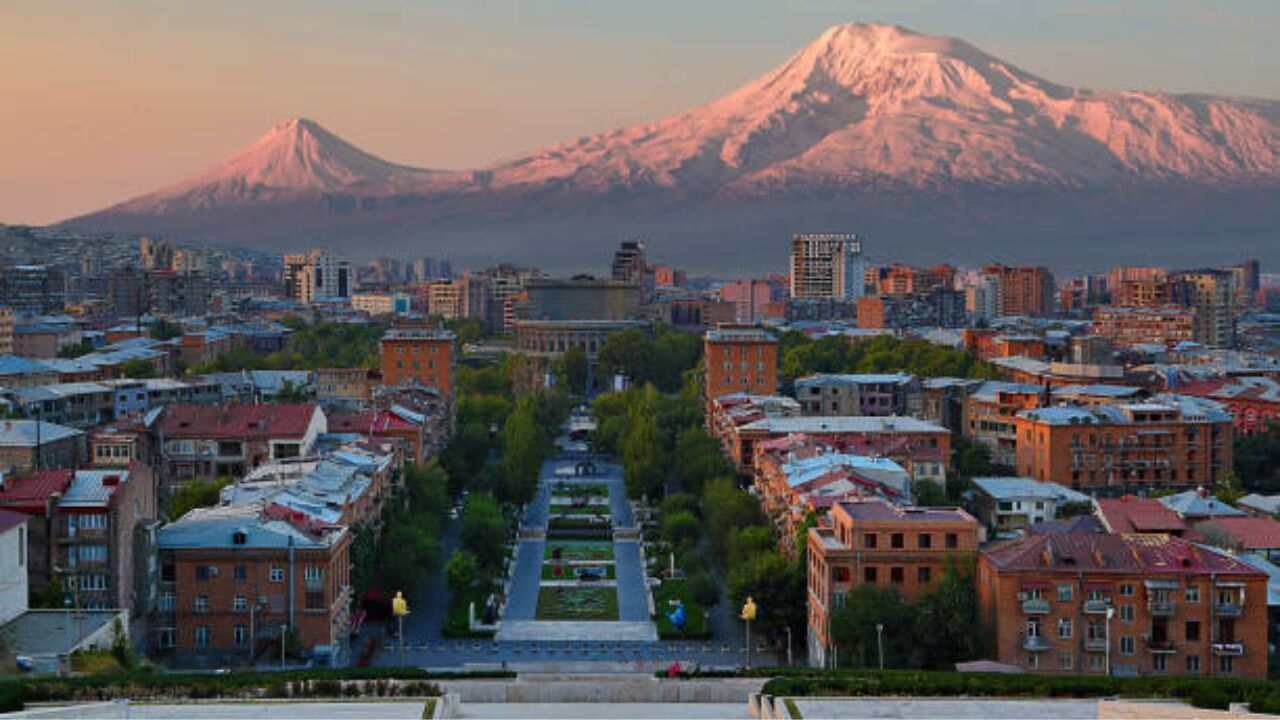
point(1126, 590)
point(869, 540)
point(897, 575)
point(1064, 593)
point(202, 636)
point(241, 635)
point(1125, 613)
point(1193, 593)
point(167, 601)
point(922, 575)
point(1193, 663)
point(1160, 662)
point(202, 604)
point(315, 600)
point(313, 573)
point(239, 572)
point(1126, 645)
point(1033, 661)
point(1193, 631)
point(166, 638)
point(838, 599)
point(1097, 662)
point(924, 541)
point(1226, 664)
point(869, 575)
point(897, 541)
point(240, 603)
point(952, 541)
point(1064, 628)
point(277, 573)
point(202, 572)
point(1065, 660)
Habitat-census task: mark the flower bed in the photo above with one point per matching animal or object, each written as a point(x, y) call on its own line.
point(580, 602)
point(570, 572)
point(577, 550)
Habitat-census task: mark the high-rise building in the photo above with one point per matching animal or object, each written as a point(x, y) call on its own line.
point(740, 359)
point(6, 331)
point(1211, 294)
point(629, 264)
point(156, 254)
point(1026, 290)
point(317, 274)
point(445, 298)
point(749, 298)
point(827, 266)
point(422, 356)
point(33, 289)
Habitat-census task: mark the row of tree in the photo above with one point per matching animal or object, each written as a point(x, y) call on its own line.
point(800, 355)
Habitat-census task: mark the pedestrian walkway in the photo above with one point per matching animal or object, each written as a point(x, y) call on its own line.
point(567, 630)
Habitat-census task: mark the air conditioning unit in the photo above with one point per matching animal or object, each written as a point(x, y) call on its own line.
point(1024, 596)
point(213, 571)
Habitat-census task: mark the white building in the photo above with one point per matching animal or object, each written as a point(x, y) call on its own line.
point(13, 565)
point(1010, 504)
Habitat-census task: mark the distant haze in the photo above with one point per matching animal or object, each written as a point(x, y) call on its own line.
point(103, 101)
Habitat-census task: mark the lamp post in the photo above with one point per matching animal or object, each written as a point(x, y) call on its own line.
point(788, 645)
point(253, 632)
point(284, 631)
point(400, 608)
point(749, 611)
point(1107, 652)
point(880, 642)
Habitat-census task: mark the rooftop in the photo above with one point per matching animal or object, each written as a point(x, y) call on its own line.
point(857, 379)
point(1253, 533)
point(418, 333)
point(879, 510)
point(55, 632)
point(238, 421)
point(1011, 488)
point(33, 490)
point(1269, 504)
point(1118, 553)
point(93, 488)
point(1199, 503)
point(740, 334)
point(844, 424)
point(1131, 514)
point(22, 433)
point(247, 526)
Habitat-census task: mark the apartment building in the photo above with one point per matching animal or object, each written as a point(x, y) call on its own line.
point(877, 543)
point(990, 412)
point(1169, 441)
point(1254, 401)
point(233, 579)
point(205, 441)
point(740, 359)
point(346, 387)
point(1134, 604)
point(827, 266)
point(877, 394)
point(1024, 290)
point(27, 445)
point(418, 356)
point(1012, 504)
point(1126, 327)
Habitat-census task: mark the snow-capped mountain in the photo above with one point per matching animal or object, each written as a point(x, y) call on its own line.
point(870, 127)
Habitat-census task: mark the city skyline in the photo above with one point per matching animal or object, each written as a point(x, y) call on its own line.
point(162, 91)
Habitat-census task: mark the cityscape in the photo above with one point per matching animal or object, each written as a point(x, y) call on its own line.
point(319, 435)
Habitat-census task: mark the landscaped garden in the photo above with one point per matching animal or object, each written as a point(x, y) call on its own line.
point(695, 615)
point(577, 550)
point(589, 510)
point(569, 602)
point(567, 571)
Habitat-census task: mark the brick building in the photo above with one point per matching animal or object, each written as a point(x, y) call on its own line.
point(859, 394)
point(32, 444)
point(1170, 441)
point(204, 441)
point(1146, 604)
point(1022, 290)
point(1129, 326)
point(1254, 401)
point(233, 578)
point(418, 356)
point(36, 495)
point(740, 359)
point(874, 542)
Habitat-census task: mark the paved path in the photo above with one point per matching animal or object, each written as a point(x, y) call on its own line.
point(586, 630)
point(633, 596)
point(522, 603)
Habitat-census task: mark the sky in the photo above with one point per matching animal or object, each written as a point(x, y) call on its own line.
point(102, 100)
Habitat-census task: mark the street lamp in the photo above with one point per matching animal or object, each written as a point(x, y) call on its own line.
point(749, 611)
point(788, 645)
point(1107, 651)
point(880, 642)
point(253, 633)
point(400, 608)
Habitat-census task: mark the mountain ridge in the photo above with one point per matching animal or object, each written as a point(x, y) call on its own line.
point(864, 117)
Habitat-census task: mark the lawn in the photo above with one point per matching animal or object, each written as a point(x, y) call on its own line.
point(578, 550)
point(570, 490)
point(577, 603)
point(695, 625)
point(598, 510)
point(456, 623)
point(569, 573)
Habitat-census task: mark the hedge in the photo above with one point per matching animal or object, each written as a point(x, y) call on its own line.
point(1215, 693)
point(329, 682)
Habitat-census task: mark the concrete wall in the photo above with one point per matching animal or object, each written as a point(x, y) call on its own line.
point(622, 688)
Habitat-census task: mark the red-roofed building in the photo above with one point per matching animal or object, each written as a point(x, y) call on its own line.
point(1132, 514)
point(1257, 535)
point(875, 542)
point(1143, 603)
point(382, 424)
point(36, 495)
point(208, 441)
point(1254, 402)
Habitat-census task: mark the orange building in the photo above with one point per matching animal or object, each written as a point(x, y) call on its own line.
point(1169, 441)
point(422, 356)
point(1026, 290)
point(1129, 326)
point(874, 542)
point(871, 312)
point(740, 359)
point(1142, 604)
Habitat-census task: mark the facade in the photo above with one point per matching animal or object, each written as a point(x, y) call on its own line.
point(317, 274)
point(1023, 290)
point(860, 394)
point(27, 445)
point(579, 299)
point(827, 266)
point(874, 542)
point(1254, 401)
point(13, 565)
point(421, 356)
point(35, 495)
point(1170, 441)
point(629, 264)
point(547, 338)
point(232, 579)
point(1129, 326)
point(749, 298)
point(1123, 605)
point(33, 289)
point(740, 359)
point(345, 387)
point(6, 331)
point(990, 414)
point(1211, 294)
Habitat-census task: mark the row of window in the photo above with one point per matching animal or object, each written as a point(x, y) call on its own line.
point(1159, 661)
point(898, 541)
point(1191, 594)
point(310, 573)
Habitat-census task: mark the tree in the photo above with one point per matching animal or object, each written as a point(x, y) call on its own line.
point(290, 393)
point(643, 461)
point(930, 494)
point(164, 330)
point(428, 487)
point(194, 494)
point(461, 571)
point(1073, 509)
point(1257, 460)
point(572, 370)
point(415, 549)
point(523, 448)
point(776, 585)
point(948, 628)
point(138, 369)
point(726, 508)
point(484, 530)
point(698, 458)
point(853, 628)
point(1228, 488)
point(681, 529)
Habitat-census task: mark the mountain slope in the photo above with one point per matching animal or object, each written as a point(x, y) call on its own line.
point(868, 127)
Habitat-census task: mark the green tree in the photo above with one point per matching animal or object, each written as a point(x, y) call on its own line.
point(698, 458)
point(572, 370)
point(484, 530)
point(1256, 460)
point(164, 330)
point(428, 486)
point(290, 393)
point(138, 369)
point(643, 461)
point(461, 571)
point(681, 529)
point(194, 494)
point(853, 628)
point(776, 585)
point(947, 625)
point(1072, 509)
point(416, 550)
point(523, 449)
point(931, 494)
point(726, 508)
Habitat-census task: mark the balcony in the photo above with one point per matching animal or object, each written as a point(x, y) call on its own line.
point(1038, 606)
point(1160, 646)
point(1235, 649)
point(1095, 644)
point(1096, 607)
point(1035, 643)
point(1160, 608)
point(1228, 609)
